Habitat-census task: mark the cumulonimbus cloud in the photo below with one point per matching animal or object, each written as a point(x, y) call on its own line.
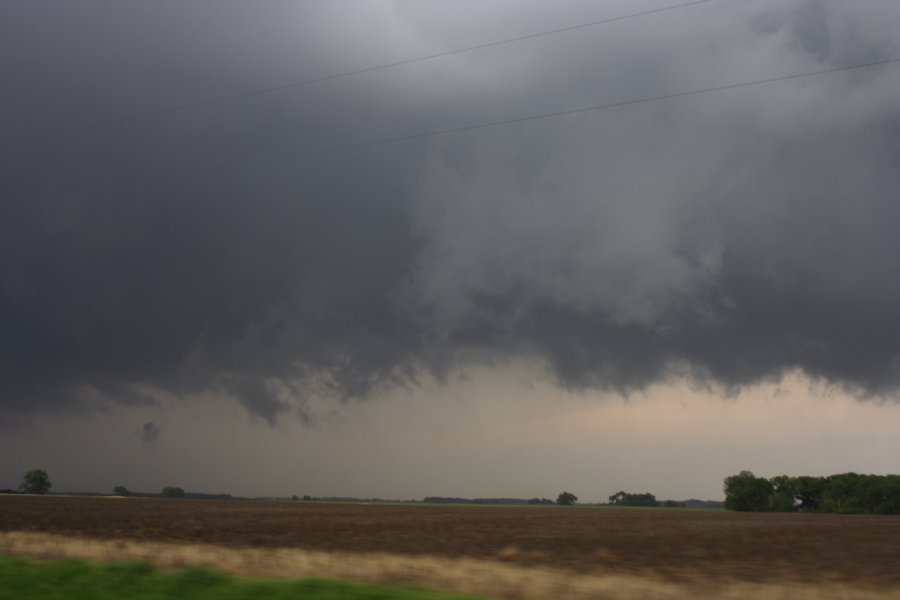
point(732, 235)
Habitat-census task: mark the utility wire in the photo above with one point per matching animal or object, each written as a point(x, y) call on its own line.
point(451, 130)
point(324, 78)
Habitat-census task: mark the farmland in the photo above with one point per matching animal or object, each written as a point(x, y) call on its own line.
point(672, 547)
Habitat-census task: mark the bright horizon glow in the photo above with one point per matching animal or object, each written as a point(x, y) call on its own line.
point(493, 433)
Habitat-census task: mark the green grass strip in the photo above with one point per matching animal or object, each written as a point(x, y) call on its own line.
point(24, 579)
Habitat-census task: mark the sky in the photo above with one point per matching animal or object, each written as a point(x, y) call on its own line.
point(222, 267)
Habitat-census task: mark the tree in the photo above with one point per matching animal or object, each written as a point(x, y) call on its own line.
point(35, 481)
point(625, 499)
point(566, 499)
point(784, 498)
point(121, 490)
point(809, 491)
point(890, 489)
point(747, 492)
point(843, 493)
point(541, 501)
point(171, 491)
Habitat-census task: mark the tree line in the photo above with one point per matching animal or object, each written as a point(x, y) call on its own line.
point(848, 493)
point(564, 499)
point(622, 498)
point(37, 481)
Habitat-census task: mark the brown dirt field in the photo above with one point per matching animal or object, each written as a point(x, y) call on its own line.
point(675, 546)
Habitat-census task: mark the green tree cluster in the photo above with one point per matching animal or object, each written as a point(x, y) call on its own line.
point(626, 499)
point(566, 499)
point(35, 481)
point(541, 501)
point(171, 491)
point(747, 493)
point(843, 493)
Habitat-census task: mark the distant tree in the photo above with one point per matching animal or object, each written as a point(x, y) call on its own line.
point(171, 491)
point(784, 494)
point(747, 492)
point(566, 499)
point(809, 490)
point(295, 497)
point(626, 499)
point(850, 493)
point(35, 481)
point(121, 490)
point(307, 498)
point(889, 489)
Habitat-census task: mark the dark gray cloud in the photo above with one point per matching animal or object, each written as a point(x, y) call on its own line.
point(730, 236)
point(150, 433)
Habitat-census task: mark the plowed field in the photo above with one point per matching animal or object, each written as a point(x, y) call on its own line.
point(672, 544)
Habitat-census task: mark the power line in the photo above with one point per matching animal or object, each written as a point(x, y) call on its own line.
point(324, 78)
point(463, 128)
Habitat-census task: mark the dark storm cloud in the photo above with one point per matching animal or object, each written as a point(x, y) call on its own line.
point(731, 236)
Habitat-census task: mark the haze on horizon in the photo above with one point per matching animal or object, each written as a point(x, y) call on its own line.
point(647, 297)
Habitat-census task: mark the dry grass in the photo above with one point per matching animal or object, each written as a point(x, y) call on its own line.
point(470, 576)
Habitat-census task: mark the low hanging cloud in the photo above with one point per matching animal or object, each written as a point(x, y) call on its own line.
point(730, 236)
point(150, 433)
